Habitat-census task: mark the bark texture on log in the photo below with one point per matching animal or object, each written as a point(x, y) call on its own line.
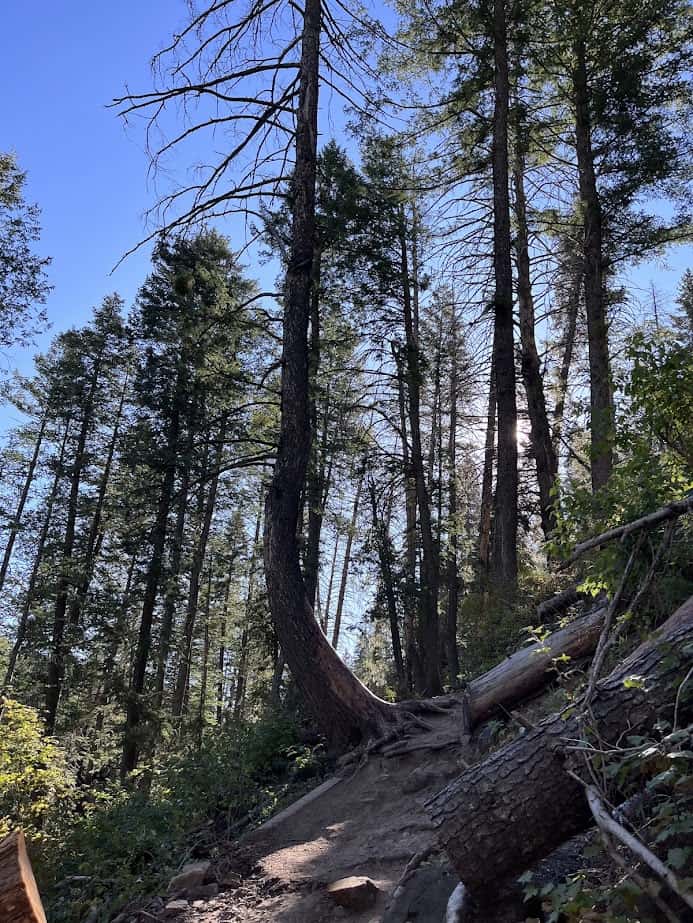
point(528, 669)
point(502, 815)
point(20, 901)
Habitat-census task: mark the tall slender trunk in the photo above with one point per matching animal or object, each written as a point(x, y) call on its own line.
point(223, 621)
point(540, 431)
point(201, 720)
point(184, 664)
point(277, 676)
point(347, 560)
point(16, 522)
point(381, 527)
point(487, 482)
point(414, 669)
point(436, 424)
point(93, 542)
point(428, 589)
point(316, 468)
point(504, 539)
point(38, 558)
point(56, 661)
point(242, 670)
point(118, 633)
point(567, 359)
point(135, 706)
point(601, 397)
point(453, 577)
point(333, 570)
point(343, 707)
point(172, 594)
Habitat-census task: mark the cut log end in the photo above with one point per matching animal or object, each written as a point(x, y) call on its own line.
point(20, 901)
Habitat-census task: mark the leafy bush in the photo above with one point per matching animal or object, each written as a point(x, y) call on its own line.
point(659, 769)
point(654, 466)
point(37, 787)
point(96, 849)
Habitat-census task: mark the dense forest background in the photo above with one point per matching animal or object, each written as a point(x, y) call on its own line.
point(485, 388)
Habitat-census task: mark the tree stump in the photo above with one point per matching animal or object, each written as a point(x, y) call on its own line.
point(20, 901)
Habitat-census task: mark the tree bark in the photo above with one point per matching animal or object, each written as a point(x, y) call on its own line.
point(568, 347)
point(507, 812)
point(315, 482)
point(20, 901)
point(16, 522)
point(504, 539)
point(415, 679)
point(341, 705)
point(201, 712)
point(453, 576)
point(540, 432)
point(601, 395)
point(333, 571)
point(223, 621)
point(485, 519)
point(429, 643)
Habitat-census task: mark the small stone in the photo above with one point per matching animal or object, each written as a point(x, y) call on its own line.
point(203, 892)
point(173, 908)
point(355, 893)
point(231, 880)
point(418, 779)
point(190, 876)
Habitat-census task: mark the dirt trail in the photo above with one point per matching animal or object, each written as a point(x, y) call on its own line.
point(370, 821)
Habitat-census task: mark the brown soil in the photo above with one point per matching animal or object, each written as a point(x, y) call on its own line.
point(371, 821)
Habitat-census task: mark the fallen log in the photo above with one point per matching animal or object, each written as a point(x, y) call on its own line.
point(20, 901)
point(503, 815)
point(514, 679)
point(528, 669)
point(664, 514)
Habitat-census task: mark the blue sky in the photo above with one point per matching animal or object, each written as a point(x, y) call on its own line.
point(64, 62)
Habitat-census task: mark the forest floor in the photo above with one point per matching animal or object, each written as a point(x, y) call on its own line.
point(369, 820)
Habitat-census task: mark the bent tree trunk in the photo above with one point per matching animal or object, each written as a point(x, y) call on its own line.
point(342, 706)
point(501, 816)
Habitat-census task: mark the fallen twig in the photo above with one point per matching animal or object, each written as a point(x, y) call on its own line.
point(608, 825)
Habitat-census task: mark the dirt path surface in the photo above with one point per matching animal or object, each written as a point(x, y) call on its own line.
point(369, 822)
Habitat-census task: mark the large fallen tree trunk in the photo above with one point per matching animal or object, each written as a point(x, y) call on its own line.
point(529, 669)
point(515, 679)
point(502, 815)
point(19, 897)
